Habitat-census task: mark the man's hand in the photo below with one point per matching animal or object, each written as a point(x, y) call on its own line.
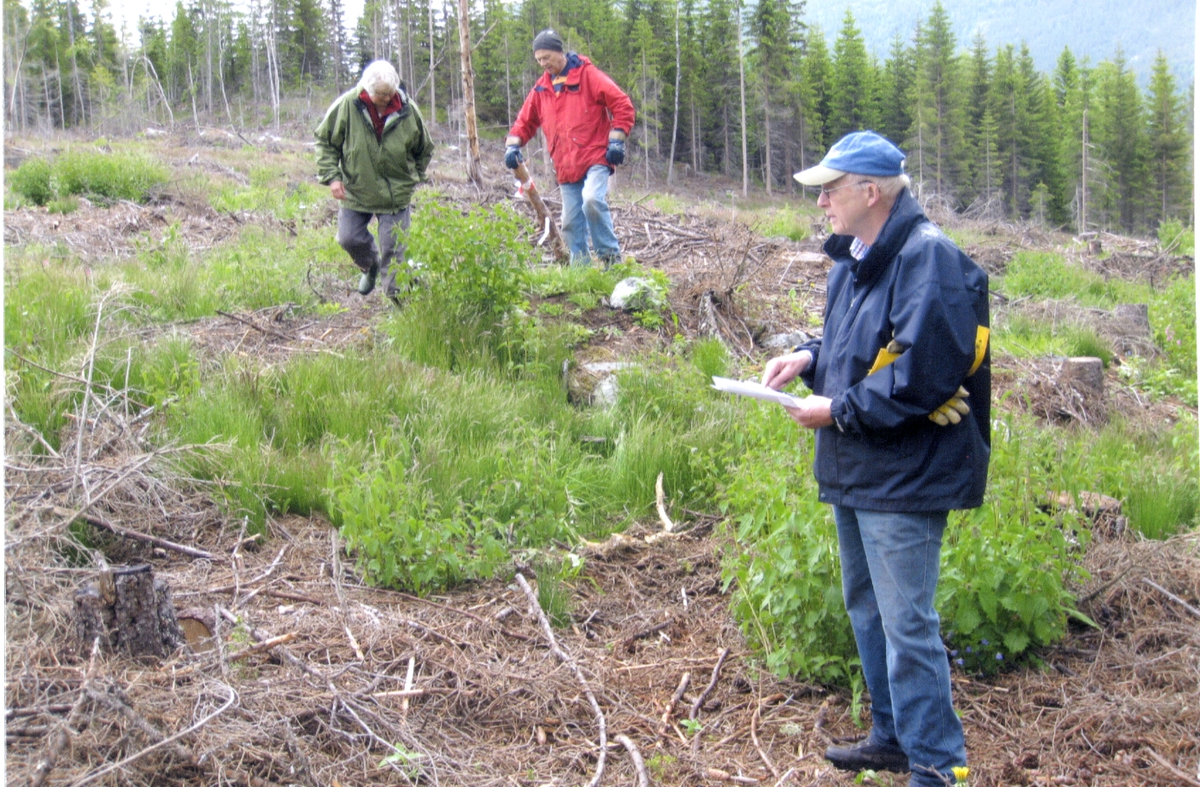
point(615, 155)
point(949, 413)
point(512, 156)
point(813, 412)
point(782, 370)
point(337, 190)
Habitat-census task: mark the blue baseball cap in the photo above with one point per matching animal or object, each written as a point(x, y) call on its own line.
point(861, 153)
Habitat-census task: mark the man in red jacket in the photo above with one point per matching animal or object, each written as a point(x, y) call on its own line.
point(586, 119)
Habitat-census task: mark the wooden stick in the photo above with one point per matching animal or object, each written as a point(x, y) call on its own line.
point(261, 646)
point(266, 331)
point(668, 525)
point(638, 763)
point(408, 684)
point(1172, 596)
point(684, 680)
point(1164, 762)
point(724, 776)
point(537, 610)
point(557, 244)
point(712, 683)
point(754, 737)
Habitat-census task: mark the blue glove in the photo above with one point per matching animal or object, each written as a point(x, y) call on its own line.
point(512, 156)
point(615, 155)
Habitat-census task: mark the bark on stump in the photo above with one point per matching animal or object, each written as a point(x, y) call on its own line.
point(129, 610)
point(1083, 374)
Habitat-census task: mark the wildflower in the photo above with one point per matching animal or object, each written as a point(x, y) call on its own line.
point(969, 649)
point(984, 642)
point(959, 662)
point(960, 773)
point(999, 657)
point(953, 653)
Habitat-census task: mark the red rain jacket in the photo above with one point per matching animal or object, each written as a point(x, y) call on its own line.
point(575, 120)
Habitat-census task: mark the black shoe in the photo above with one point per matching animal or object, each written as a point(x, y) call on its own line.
point(367, 283)
point(866, 755)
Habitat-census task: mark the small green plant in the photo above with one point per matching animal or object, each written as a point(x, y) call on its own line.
point(554, 592)
point(1161, 504)
point(64, 206)
point(873, 777)
point(32, 180)
point(403, 760)
point(1173, 236)
point(692, 726)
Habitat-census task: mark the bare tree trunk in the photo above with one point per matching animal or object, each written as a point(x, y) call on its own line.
point(675, 122)
point(742, 84)
point(432, 73)
point(769, 174)
point(468, 83)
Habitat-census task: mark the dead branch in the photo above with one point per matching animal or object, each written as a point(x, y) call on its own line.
point(638, 763)
point(712, 684)
point(757, 745)
point(536, 610)
point(1172, 596)
point(96, 521)
point(1164, 762)
point(283, 639)
point(258, 328)
point(684, 680)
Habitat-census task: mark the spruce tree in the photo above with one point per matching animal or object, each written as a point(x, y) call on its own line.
point(851, 96)
point(1167, 142)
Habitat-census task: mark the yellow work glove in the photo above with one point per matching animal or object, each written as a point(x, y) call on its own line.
point(953, 410)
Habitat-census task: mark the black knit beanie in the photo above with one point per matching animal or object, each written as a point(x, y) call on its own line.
point(547, 39)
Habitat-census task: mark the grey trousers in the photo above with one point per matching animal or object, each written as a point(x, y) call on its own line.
point(354, 235)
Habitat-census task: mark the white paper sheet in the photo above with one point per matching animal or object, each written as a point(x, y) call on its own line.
point(754, 390)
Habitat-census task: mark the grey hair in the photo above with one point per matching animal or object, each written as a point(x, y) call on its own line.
point(380, 74)
point(890, 186)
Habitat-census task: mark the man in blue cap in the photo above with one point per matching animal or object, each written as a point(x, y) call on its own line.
point(901, 407)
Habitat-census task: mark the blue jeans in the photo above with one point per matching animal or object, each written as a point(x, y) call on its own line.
point(889, 575)
point(585, 211)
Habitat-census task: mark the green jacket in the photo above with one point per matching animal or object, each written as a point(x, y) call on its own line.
point(379, 176)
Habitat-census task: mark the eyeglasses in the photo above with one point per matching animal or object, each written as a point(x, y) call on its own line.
point(826, 192)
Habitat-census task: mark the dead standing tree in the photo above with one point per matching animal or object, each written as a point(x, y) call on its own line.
point(468, 81)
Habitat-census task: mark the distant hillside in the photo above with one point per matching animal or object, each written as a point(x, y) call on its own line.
point(1091, 28)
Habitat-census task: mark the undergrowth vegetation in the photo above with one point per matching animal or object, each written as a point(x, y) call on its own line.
point(94, 173)
point(444, 445)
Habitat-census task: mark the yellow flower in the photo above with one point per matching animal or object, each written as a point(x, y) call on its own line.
point(960, 773)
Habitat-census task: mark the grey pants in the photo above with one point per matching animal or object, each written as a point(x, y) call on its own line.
point(354, 235)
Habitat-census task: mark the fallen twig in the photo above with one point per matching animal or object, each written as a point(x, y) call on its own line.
point(1172, 596)
point(1164, 762)
point(283, 639)
point(639, 764)
point(684, 680)
point(96, 521)
point(712, 683)
point(537, 610)
point(757, 745)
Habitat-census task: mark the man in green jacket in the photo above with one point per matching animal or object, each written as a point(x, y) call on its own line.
point(372, 151)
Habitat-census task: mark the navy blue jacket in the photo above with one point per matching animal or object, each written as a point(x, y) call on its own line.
point(882, 452)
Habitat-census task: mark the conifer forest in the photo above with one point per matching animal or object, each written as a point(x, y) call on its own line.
point(750, 92)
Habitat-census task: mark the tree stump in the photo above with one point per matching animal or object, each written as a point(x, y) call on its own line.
point(129, 610)
point(1083, 374)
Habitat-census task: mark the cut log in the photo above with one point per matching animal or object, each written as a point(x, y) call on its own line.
point(1084, 374)
point(129, 610)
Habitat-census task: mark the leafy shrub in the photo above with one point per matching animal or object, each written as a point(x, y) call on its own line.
point(400, 535)
point(787, 597)
point(1006, 567)
point(112, 176)
point(32, 180)
point(64, 206)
